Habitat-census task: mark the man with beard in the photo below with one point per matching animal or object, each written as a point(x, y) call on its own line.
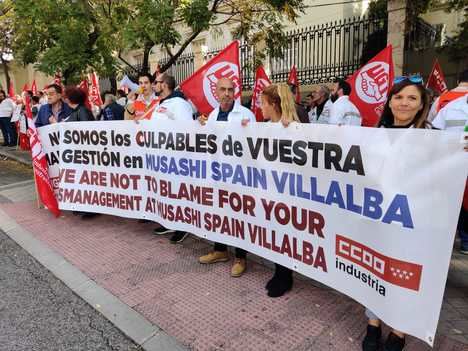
point(343, 111)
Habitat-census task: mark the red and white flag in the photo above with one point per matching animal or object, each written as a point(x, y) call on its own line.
point(44, 186)
point(294, 81)
point(436, 79)
point(85, 87)
point(261, 82)
point(370, 85)
point(95, 94)
point(57, 79)
point(200, 88)
point(34, 88)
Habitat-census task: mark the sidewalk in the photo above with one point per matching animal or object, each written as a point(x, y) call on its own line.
point(12, 153)
point(202, 307)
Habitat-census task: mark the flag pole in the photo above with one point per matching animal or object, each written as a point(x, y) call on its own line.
point(38, 199)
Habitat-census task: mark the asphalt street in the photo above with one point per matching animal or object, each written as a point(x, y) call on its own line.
point(37, 311)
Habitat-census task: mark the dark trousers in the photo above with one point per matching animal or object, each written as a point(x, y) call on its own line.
point(283, 272)
point(222, 247)
point(8, 131)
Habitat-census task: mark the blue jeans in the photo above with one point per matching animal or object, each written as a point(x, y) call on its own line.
point(8, 130)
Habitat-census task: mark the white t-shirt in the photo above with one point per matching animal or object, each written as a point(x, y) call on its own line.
point(344, 112)
point(324, 116)
point(237, 114)
point(175, 108)
point(434, 108)
point(454, 116)
point(7, 107)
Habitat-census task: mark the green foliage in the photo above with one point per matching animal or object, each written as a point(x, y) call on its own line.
point(61, 36)
point(74, 36)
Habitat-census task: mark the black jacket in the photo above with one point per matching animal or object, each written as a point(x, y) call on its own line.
point(80, 114)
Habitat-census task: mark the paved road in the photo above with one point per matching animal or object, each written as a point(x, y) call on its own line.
point(13, 172)
point(37, 311)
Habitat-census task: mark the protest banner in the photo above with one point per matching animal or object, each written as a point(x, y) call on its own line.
point(348, 207)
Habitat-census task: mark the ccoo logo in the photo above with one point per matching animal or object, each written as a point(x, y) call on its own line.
point(372, 82)
point(220, 70)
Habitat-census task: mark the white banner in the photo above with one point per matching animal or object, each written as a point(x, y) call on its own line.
point(370, 212)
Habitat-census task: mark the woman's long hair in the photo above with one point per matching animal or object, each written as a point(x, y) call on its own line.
point(282, 100)
point(420, 120)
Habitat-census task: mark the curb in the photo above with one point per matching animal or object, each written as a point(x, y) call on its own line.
point(15, 158)
point(144, 333)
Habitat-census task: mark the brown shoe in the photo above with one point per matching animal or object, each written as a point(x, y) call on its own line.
point(239, 267)
point(214, 256)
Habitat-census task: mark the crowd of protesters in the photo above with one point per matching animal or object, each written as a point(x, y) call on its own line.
point(409, 105)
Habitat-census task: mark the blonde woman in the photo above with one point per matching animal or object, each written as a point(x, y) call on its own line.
point(278, 106)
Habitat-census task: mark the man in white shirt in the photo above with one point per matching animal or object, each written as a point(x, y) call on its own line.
point(460, 90)
point(228, 110)
point(143, 106)
point(321, 112)
point(172, 104)
point(232, 112)
point(343, 111)
point(7, 107)
point(453, 118)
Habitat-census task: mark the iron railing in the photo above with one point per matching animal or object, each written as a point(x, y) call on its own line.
point(321, 53)
point(182, 68)
point(422, 35)
point(328, 51)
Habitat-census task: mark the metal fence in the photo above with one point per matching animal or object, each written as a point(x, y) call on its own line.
point(182, 68)
point(422, 35)
point(324, 52)
point(321, 53)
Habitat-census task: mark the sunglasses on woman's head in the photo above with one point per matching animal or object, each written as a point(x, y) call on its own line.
point(416, 79)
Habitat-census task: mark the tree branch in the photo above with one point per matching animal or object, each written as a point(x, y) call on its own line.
point(174, 58)
point(126, 62)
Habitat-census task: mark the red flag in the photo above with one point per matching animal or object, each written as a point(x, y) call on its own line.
point(294, 81)
point(25, 87)
point(261, 82)
point(57, 79)
point(95, 94)
point(436, 79)
point(44, 186)
point(11, 90)
point(201, 86)
point(34, 88)
point(85, 87)
point(370, 85)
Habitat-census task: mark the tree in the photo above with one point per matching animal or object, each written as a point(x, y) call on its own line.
point(75, 35)
point(6, 38)
point(61, 36)
point(458, 45)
